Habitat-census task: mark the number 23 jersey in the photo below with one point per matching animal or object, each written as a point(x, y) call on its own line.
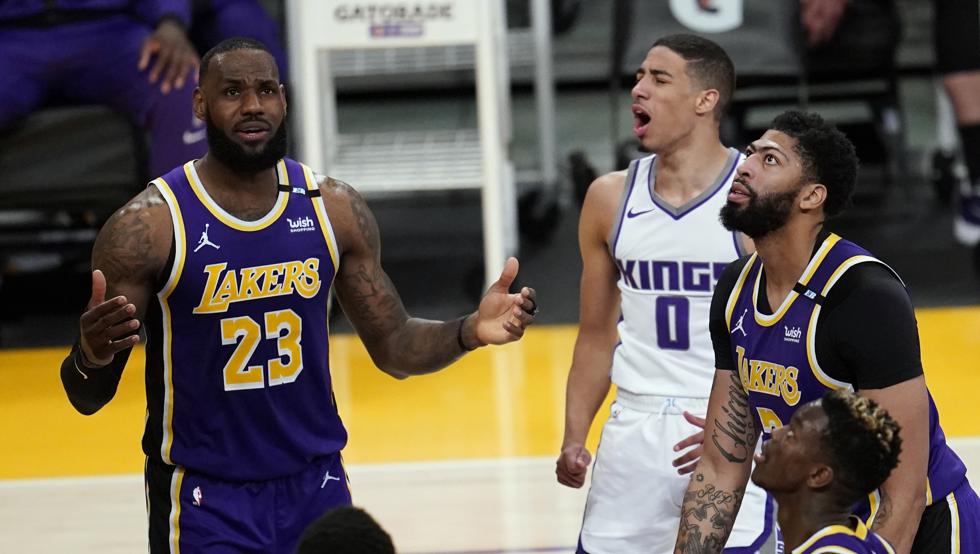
point(237, 378)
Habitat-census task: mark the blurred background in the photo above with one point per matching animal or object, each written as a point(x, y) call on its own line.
point(65, 167)
point(473, 130)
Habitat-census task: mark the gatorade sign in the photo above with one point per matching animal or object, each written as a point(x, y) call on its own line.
point(378, 23)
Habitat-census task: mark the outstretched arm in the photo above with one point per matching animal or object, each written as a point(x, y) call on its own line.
point(401, 345)
point(127, 258)
point(718, 484)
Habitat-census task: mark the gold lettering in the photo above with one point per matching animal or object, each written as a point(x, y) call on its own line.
point(207, 305)
point(780, 375)
point(272, 286)
point(743, 367)
point(252, 283)
point(757, 366)
point(790, 390)
point(769, 378)
point(293, 271)
point(310, 285)
point(250, 288)
point(228, 291)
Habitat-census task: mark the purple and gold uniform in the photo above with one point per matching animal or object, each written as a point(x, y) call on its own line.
point(841, 539)
point(776, 359)
point(242, 434)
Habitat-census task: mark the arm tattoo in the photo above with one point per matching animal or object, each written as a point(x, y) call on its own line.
point(707, 517)
point(735, 436)
point(365, 221)
point(366, 290)
point(125, 249)
point(369, 293)
point(410, 344)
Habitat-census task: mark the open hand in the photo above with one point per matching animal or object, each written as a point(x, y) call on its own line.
point(107, 326)
point(503, 316)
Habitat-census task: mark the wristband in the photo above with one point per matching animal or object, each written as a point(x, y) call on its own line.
point(459, 337)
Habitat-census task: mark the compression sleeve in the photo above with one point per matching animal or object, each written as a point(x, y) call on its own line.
point(88, 388)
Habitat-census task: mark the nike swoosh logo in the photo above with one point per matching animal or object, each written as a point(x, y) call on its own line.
point(190, 137)
point(631, 214)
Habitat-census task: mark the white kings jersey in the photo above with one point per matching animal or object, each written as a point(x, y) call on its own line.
point(669, 259)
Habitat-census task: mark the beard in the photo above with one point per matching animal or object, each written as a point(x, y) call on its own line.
point(233, 155)
point(761, 215)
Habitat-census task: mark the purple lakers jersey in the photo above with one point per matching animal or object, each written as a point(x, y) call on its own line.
point(238, 379)
point(776, 354)
point(841, 539)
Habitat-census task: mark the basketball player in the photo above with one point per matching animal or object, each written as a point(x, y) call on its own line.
point(807, 313)
point(652, 249)
point(833, 452)
point(242, 434)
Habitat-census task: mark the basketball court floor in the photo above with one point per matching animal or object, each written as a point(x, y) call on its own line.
point(460, 461)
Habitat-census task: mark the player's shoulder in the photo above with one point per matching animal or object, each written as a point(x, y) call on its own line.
point(136, 239)
point(611, 183)
point(330, 186)
point(867, 280)
point(602, 202)
point(148, 207)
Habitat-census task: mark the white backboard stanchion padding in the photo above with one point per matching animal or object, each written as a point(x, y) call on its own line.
point(409, 160)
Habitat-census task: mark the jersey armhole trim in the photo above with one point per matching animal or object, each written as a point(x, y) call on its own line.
point(180, 252)
point(320, 207)
point(811, 334)
point(617, 227)
point(737, 290)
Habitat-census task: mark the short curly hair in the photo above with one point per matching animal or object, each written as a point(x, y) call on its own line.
point(828, 156)
point(863, 442)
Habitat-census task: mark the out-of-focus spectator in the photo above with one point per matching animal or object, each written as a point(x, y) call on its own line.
point(345, 530)
point(957, 36)
point(957, 41)
point(136, 56)
point(132, 55)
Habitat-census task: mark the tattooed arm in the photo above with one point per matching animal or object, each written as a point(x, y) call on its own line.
point(718, 484)
point(401, 345)
point(129, 254)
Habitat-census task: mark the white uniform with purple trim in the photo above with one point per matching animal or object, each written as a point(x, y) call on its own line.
point(669, 259)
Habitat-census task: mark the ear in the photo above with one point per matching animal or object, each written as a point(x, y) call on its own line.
point(282, 94)
point(819, 477)
point(813, 196)
point(198, 103)
point(706, 102)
